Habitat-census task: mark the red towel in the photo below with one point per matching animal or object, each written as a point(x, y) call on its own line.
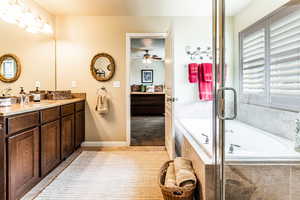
point(207, 72)
point(205, 87)
point(193, 72)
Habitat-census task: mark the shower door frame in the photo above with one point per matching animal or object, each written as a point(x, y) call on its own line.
point(219, 94)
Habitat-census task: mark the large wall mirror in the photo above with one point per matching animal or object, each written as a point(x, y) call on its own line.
point(10, 68)
point(103, 67)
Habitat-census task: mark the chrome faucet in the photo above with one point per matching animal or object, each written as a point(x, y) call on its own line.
point(206, 138)
point(232, 146)
point(229, 131)
point(5, 92)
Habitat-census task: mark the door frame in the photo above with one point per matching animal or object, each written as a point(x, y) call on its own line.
point(130, 36)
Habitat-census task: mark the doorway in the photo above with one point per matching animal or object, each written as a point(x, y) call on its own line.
point(146, 83)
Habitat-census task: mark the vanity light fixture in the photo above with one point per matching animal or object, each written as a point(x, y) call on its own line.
point(16, 12)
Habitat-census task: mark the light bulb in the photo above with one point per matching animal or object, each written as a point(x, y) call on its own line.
point(28, 19)
point(32, 29)
point(47, 29)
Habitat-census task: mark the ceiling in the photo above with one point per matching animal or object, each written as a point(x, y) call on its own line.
point(155, 47)
point(137, 7)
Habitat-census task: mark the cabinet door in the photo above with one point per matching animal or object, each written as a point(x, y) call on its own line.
point(67, 136)
point(79, 128)
point(23, 162)
point(50, 145)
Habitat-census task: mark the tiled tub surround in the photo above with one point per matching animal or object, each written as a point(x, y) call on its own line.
point(275, 121)
point(248, 177)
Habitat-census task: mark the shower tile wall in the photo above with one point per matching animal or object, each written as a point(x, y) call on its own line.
point(278, 122)
point(262, 182)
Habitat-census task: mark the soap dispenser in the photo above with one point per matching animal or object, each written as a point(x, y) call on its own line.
point(297, 136)
point(22, 95)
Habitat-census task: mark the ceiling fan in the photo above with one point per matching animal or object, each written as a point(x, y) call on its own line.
point(147, 57)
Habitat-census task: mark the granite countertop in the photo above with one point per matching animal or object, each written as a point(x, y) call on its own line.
point(34, 106)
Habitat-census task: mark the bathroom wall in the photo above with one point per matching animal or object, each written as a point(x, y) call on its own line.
point(79, 38)
point(137, 65)
point(194, 32)
point(35, 51)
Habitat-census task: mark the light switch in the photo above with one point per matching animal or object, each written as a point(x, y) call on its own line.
point(116, 84)
point(73, 84)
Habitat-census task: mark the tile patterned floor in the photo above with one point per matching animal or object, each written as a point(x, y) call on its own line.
point(108, 175)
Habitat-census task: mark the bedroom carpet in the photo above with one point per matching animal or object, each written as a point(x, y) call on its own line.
point(108, 175)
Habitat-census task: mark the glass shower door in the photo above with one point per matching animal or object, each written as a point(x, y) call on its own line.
point(257, 99)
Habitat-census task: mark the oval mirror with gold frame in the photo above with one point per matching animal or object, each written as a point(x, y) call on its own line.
point(102, 67)
point(10, 68)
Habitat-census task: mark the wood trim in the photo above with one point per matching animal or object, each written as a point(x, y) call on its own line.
point(19, 68)
point(127, 88)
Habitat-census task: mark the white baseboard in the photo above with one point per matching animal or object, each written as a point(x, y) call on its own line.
point(104, 144)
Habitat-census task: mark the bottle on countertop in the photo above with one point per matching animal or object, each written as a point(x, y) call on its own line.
point(22, 95)
point(36, 95)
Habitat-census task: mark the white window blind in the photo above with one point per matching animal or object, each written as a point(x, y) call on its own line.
point(285, 56)
point(270, 60)
point(253, 62)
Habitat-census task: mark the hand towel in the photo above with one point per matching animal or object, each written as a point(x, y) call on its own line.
point(170, 180)
point(193, 72)
point(205, 87)
point(207, 72)
point(184, 172)
point(102, 104)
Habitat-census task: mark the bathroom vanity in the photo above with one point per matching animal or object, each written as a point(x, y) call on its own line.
point(34, 139)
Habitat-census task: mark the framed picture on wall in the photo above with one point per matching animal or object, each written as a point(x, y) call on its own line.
point(147, 76)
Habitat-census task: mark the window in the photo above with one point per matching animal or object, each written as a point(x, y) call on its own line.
point(270, 61)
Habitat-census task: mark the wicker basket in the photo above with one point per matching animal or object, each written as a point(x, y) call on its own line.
point(175, 193)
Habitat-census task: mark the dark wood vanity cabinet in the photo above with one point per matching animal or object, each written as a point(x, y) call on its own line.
point(67, 136)
point(23, 162)
point(79, 128)
point(50, 146)
point(34, 143)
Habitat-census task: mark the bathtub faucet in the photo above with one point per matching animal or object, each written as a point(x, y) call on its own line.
point(232, 146)
point(229, 131)
point(206, 138)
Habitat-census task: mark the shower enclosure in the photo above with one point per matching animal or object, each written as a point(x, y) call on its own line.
point(257, 90)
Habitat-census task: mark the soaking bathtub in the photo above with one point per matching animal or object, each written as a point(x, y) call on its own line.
point(250, 144)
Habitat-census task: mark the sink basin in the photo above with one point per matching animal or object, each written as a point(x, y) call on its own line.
point(5, 101)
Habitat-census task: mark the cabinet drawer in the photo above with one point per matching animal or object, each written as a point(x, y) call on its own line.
point(21, 122)
point(49, 115)
point(79, 106)
point(67, 109)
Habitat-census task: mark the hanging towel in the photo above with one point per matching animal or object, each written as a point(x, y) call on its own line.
point(102, 104)
point(207, 72)
point(205, 87)
point(193, 72)
point(184, 172)
point(170, 180)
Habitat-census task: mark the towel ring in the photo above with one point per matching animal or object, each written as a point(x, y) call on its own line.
point(101, 89)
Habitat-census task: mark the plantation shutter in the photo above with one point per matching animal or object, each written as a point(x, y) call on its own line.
point(284, 58)
point(253, 64)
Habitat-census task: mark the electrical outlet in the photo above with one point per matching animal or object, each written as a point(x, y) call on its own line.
point(74, 84)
